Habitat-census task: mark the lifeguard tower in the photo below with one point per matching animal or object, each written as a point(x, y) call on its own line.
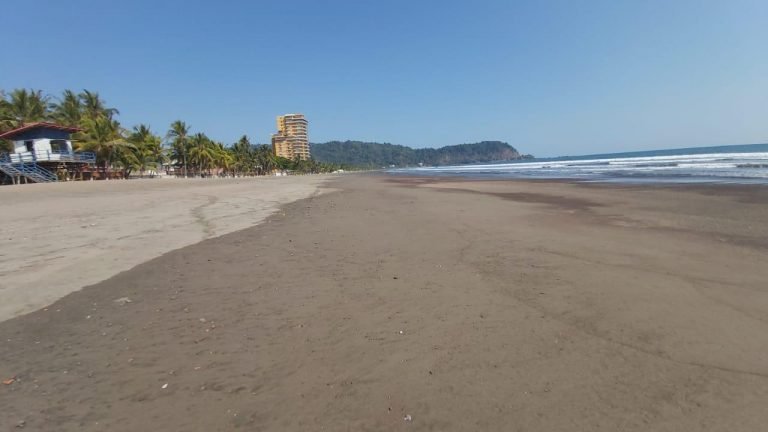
point(42, 152)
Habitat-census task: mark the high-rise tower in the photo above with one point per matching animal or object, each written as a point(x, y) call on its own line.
point(291, 141)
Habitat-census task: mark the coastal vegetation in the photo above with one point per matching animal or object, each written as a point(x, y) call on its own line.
point(182, 151)
point(376, 155)
point(122, 151)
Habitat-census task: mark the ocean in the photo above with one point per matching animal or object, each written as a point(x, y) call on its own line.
point(738, 164)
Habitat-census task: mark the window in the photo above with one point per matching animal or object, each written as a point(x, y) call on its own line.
point(30, 145)
point(59, 146)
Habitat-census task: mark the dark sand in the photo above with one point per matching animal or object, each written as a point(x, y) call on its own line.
point(522, 306)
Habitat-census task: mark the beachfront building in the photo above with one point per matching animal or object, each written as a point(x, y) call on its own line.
point(291, 140)
point(42, 152)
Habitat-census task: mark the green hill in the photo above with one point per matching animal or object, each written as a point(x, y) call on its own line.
point(371, 154)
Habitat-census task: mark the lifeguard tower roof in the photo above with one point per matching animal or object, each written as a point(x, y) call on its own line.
point(34, 130)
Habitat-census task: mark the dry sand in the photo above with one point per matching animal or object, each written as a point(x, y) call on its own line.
point(57, 238)
point(464, 305)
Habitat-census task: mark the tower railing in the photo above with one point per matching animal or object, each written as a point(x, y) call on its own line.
point(52, 156)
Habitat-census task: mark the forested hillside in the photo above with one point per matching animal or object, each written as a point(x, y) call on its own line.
point(372, 154)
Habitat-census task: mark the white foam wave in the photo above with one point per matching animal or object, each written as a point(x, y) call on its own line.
point(719, 165)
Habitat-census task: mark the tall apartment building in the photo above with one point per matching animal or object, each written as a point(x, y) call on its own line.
point(291, 139)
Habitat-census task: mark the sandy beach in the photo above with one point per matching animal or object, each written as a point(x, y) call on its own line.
point(58, 238)
point(395, 304)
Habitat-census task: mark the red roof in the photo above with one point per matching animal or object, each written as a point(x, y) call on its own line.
point(29, 126)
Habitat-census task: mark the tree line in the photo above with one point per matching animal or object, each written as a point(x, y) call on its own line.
point(140, 149)
point(377, 155)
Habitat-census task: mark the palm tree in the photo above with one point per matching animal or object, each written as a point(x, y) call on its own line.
point(267, 159)
point(24, 106)
point(243, 154)
point(104, 137)
point(5, 145)
point(93, 106)
point(304, 166)
point(126, 156)
point(179, 133)
point(201, 152)
point(140, 133)
point(3, 110)
point(149, 148)
point(68, 110)
point(225, 158)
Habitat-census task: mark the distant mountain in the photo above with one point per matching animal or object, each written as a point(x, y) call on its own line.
point(372, 154)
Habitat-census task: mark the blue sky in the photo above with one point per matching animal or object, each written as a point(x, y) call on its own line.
point(549, 77)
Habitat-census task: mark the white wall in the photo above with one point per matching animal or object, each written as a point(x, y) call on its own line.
point(42, 148)
point(41, 145)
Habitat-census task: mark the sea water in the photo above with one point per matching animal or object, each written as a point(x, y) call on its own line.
point(746, 164)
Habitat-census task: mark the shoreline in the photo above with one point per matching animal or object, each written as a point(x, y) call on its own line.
point(62, 237)
point(739, 164)
point(460, 305)
point(617, 181)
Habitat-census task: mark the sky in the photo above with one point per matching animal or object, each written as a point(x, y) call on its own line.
point(549, 77)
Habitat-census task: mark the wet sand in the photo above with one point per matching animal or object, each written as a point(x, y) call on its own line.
point(57, 238)
point(463, 305)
